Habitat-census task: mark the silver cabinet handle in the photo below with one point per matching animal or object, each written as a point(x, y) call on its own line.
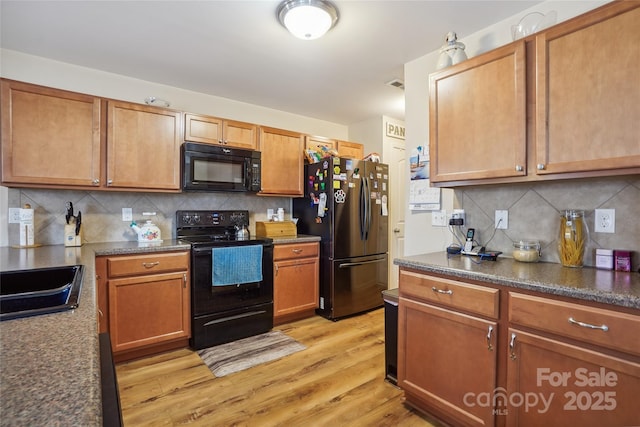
point(109, 181)
point(184, 280)
point(150, 264)
point(489, 345)
point(540, 166)
point(96, 181)
point(588, 325)
point(440, 291)
point(512, 347)
point(519, 168)
point(296, 251)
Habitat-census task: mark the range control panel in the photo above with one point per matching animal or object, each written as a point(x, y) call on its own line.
point(185, 219)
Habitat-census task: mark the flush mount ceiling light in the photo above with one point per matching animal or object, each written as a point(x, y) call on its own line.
point(307, 19)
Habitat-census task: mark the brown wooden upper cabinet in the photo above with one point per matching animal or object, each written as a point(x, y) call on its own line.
point(318, 142)
point(143, 147)
point(50, 137)
point(563, 103)
point(477, 116)
point(588, 88)
point(55, 138)
point(282, 162)
point(352, 150)
point(212, 130)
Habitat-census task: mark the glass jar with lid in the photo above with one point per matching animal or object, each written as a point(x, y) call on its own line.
point(526, 251)
point(573, 238)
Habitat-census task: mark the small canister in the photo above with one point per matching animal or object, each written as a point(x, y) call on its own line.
point(526, 251)
point(280, 214)
point(622, 260)
point(604, 259)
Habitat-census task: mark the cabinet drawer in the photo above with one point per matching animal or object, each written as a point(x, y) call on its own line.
point(130, 265)
point(458, 295)
point(622, 329)
point(296, 250)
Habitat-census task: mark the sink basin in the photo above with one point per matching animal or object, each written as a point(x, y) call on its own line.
point(39, 291)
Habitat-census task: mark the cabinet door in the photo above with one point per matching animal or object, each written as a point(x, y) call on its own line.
point(352, 150)
point(241, 135)
point(477, 114)
point(318, 142)
point(148, 310)
point(446, 359)
point(552, 383)
point(143, 147)
point(282, 162)
point(588, 104)
point(204, 129)
point(49, 136)
point(295, 286)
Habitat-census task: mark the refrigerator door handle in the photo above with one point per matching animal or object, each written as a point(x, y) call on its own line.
point(363, 210)
point(354, 264)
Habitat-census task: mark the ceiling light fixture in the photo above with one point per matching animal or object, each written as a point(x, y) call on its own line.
point(307, 19)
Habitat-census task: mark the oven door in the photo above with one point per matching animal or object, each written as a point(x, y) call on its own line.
point(212, 168)
point(207, 299)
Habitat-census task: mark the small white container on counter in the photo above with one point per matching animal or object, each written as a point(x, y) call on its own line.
point(604, 259)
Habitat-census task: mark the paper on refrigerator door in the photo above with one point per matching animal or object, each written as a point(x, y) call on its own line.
point(322, 204)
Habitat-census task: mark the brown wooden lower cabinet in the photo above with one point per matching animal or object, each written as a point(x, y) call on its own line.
point(444, 357)
point(144, 302)
point(552, 383)
point(296, 281)
point(553, 362)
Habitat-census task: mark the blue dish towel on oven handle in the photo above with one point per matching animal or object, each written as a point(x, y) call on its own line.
point(233, 265)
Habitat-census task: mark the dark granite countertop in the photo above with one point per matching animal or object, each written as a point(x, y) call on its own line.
point(603, 286)
point(49, 364)
point(300, 238)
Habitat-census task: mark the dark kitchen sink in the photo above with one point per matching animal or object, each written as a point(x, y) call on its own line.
point(39, 291)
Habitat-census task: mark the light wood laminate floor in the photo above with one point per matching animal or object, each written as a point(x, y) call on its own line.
point(337, 381)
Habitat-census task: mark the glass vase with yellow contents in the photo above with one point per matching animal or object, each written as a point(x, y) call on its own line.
point(573, 238)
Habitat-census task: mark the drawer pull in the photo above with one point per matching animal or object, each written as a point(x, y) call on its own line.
point(440, 291)
point(296, 251)
point(150, 264)
point(512, 347)
point(588, 325)
point(489, 346)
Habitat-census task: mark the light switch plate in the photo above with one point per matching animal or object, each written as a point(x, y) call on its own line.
point(14, 215)
point(439, 218)
point(605, 221)
point(127, 214)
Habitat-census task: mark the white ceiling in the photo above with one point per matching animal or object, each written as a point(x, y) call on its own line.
point(238, 49)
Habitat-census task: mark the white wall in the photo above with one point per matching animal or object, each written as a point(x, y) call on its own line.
point(423, 237)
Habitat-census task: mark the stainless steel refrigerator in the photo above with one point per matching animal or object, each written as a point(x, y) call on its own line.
point(346, 202)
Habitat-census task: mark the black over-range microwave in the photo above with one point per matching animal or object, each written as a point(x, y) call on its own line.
point(207, 167)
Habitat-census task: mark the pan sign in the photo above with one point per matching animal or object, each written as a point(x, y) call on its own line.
point(394, 130)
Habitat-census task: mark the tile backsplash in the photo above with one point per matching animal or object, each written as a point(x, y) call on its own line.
point(102, 211)
point(535, 208)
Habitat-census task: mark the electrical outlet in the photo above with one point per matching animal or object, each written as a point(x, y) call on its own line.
point(605, 220)
point(127, 214)
point(439, 218)
point(502, 220)
point(14, 215)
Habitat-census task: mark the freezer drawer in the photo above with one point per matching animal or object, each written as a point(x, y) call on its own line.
point(357, 285)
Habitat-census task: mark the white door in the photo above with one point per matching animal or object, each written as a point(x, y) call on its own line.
point(397, 208)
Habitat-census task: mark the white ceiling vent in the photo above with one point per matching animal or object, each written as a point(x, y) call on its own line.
point(396, 83)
